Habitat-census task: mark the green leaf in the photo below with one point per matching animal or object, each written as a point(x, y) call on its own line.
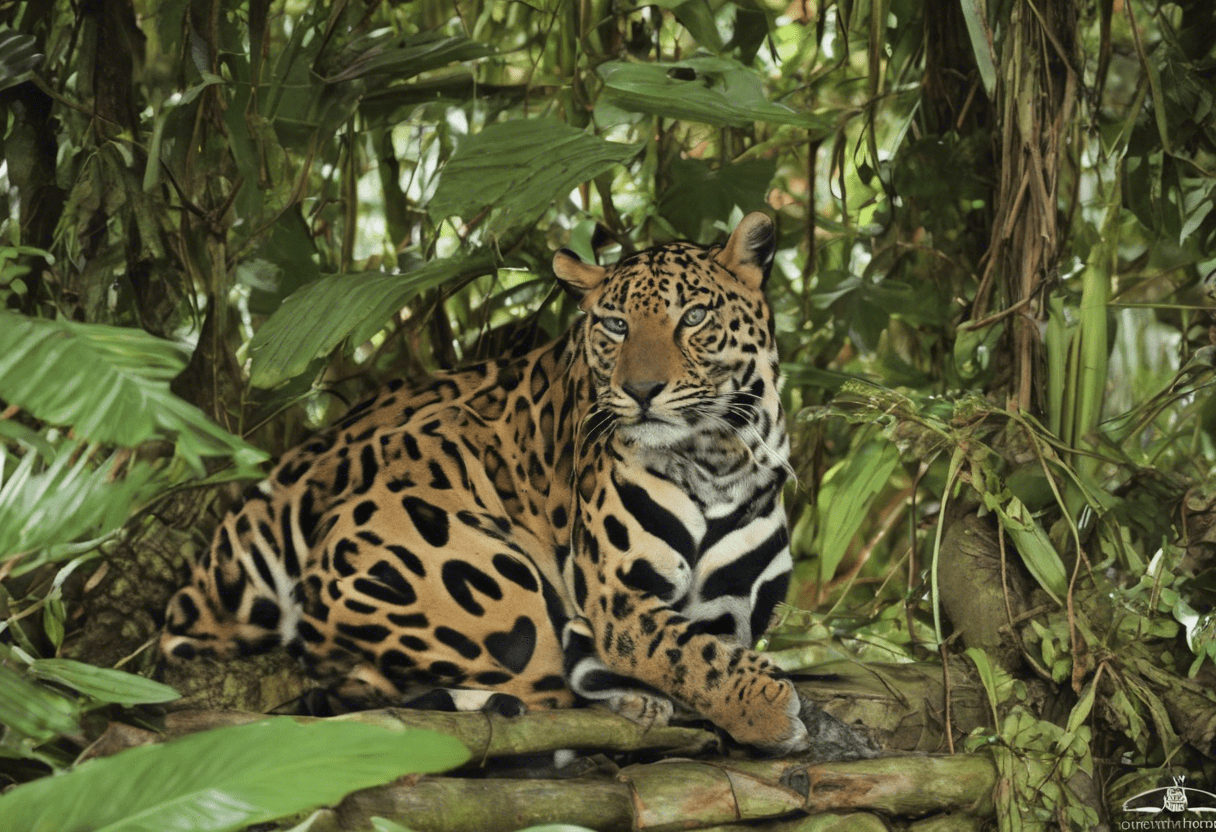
point(804, 375)
point(981, 44)
point(285, 263)
point(30, 715)
point(698, 18)
point(45, 505)
point(376, 54)
point(1080, 712)
point(110, 384)
point(848, 490)
point(53, 617)
point(988, 677)
point(225, 779)
point(708, 90)
point(1033, 544)
point(19, 56)
point(498, 168)
point(102, 683)
point(314, 319)
point(701, 194)
point(975, 350)
point(1165, 732)
point(385, 825)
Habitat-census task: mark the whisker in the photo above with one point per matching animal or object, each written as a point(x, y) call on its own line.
point(596, 427)
point(759, 442)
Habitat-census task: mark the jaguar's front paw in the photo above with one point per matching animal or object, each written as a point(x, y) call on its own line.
point(770, 720)
point(645, 709)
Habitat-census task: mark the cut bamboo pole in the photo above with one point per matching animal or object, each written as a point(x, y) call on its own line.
point(488, 735)
point(682, 794)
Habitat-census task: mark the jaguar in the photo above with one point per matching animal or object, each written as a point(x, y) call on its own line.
point(597, 521)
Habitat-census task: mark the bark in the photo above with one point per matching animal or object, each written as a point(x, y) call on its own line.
point(899, 707)
point(981, 595)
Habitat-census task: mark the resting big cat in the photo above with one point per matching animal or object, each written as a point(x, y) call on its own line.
point(598, 520)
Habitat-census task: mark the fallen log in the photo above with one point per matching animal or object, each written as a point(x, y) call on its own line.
point(680, 794)
point(899, 706)
point(486, 735)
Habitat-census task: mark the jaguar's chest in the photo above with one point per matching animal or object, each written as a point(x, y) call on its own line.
point(673, 527)
point(715, 472)
point(681, 500)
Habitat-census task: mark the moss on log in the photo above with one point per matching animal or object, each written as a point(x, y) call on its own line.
point(902, 707)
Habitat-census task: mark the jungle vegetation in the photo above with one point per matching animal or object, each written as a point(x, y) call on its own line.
point(224, 221)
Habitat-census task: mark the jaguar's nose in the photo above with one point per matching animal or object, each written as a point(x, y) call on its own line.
point(643, 392)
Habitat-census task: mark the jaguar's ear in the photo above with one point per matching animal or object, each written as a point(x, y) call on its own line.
point(577, 278)
point(748, 254)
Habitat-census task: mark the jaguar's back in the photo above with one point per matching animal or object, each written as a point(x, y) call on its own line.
point(599, 519)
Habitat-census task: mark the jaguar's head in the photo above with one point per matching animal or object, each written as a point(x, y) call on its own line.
point(680, 336)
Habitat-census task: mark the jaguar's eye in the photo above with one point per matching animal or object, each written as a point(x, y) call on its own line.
point(616, 326)
point(694, 316)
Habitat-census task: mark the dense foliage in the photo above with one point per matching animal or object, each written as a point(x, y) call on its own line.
point(222, 222)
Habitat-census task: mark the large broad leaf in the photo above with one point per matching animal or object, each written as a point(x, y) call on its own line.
point(709, 90)
point(45, 506)
point(518, 168)
point(103, 683)
point(701, 194)
point(315, 319)
point(225, 779)
point(109, 384)
point(285, 264)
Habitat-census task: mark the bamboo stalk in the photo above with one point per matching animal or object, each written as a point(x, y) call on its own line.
point(492, 735)
point(1093, 354)
point(682, 794)
point(449, 804)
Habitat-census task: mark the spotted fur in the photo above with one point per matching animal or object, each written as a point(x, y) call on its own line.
point(598, 520)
